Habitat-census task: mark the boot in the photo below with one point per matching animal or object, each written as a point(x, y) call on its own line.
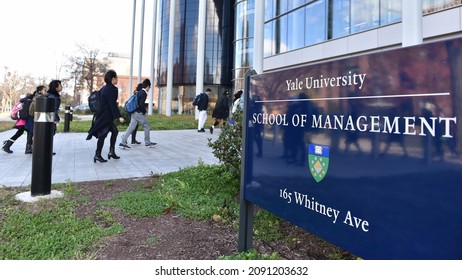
point(6, 146)
point(28, 149)
point(112, 154)
point(98, 157)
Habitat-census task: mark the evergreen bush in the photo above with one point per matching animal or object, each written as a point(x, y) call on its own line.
point(228, 147)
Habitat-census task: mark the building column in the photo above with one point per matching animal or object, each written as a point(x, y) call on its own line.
point(259, 36)
point(412, 22)
point(153, 56)
point(140, 59)
point(132, 50)
point(200, 64)
point(171, 42)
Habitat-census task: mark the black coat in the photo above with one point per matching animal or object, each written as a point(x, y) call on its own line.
point(57, 99)
point(142, 95)
point(109, 111)
point(203, 102)
point(221, 110)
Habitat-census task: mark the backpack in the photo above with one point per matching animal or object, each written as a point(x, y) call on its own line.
point(197, 99)
point(94, 100)
point(24, 112)
point(132, 104)
point(14, 113)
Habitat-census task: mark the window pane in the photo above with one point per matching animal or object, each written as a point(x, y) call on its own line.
point(280, 29)
point(315, 23)
point(269, 9)
point(281, 6)
point(390, 11)
point(295, 4)
point(239, 22)
point(339, 18)
point(269, 42)
point(364, 14)
point(295, 32)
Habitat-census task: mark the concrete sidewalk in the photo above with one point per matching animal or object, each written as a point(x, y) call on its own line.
point(74, 157)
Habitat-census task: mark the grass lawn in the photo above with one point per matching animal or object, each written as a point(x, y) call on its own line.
point(157, 122)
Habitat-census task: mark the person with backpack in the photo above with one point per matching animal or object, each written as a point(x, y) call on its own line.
point(221, 110)
point(134, 141)
point(104, 118)
point(19, 125)
point(139, 117)
point(41, 90)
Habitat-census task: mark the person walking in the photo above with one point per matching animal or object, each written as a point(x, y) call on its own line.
point(54, 88)
point(221, 111)
point(237, 102)
point(134, 141)
point(41, 90)
point(202, 107)
point(19, 125)
point(104, 119)
point(139, 117)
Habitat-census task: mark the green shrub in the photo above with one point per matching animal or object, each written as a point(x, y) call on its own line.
point(228, 147)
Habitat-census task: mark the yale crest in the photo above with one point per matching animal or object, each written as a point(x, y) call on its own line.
point(318, 161)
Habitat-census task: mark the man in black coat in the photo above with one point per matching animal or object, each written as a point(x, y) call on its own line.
point(202, 107)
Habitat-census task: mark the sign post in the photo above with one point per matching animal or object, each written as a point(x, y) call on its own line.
point(246, 211)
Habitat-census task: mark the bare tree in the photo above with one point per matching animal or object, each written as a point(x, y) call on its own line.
point(85, 68)
point(13, 86)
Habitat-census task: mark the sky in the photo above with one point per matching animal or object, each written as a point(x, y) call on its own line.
point(37, 35)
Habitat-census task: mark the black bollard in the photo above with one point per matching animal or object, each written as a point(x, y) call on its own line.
point(71, 112)
point(67, 118)
point(42, 146)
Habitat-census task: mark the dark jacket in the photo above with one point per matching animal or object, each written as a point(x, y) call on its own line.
point(221, 110)
point(30, 120)
point(55, 95)
point(109, 111)
point(203, 102)
point(142, 95)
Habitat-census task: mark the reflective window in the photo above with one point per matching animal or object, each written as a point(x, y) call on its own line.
point(390, 11)
point(296, 4)
point(295, 32)
point(365, 14)
point(219, 36)
point(280, 30)
point(281, 6)
point(270, 6)
point(321, 20)
point(269, 42)
point(339, 18)
point(315, 23)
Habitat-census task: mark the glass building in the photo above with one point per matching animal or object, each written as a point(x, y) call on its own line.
point(218, 48)
point(295, 32)
point(303, 31)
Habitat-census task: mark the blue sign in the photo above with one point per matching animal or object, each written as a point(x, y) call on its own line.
point(364, 151)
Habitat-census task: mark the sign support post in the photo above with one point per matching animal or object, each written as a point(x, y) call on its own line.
point(246, 212)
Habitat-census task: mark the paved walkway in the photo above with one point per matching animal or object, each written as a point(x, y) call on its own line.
point(74, 157)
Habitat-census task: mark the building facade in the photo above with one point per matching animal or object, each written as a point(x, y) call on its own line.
point(218, 49)
point(301, 32)
point(295, 33)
